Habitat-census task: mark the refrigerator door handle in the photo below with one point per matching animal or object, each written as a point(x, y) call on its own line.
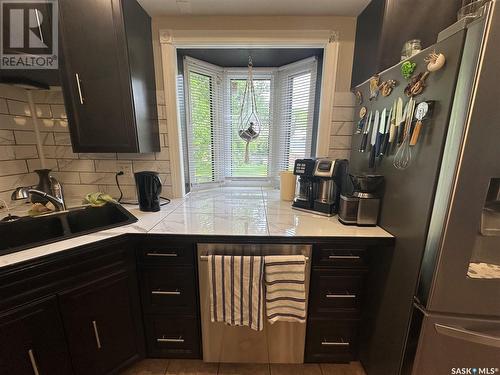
point(467, 335)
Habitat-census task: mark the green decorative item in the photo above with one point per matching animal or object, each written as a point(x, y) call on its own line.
point(407, 69)
point(98, 199)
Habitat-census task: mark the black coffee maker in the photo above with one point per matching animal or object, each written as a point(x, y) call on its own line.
point(148, 190)
point(363, 205)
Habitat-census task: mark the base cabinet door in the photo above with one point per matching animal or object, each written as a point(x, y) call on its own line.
point(100, 326)
point(32, 341)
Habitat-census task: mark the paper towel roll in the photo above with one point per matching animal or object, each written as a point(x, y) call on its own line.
point(287, 185)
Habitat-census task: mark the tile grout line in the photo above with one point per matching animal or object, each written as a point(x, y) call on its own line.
point(265, 212)
point(166, 368)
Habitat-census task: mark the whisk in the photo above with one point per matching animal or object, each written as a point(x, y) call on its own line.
point(402, 159)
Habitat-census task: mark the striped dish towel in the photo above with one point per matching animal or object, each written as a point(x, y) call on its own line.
point(237, 290)
point(285, 288)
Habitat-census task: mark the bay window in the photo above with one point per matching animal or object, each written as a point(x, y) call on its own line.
point(285, 99)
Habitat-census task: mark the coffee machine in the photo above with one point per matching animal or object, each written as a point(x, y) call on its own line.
point(319, 185)
point(305, 191)
point(363, 205)
point(330, 176)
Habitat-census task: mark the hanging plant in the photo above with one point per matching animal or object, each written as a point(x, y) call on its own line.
point(249, 123)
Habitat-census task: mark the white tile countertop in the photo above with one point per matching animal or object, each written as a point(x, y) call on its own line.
point(219, 212)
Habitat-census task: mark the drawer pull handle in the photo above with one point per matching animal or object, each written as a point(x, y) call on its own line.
point(344, 257)
point(334, 295)
point(163, 339)
point(335, 343)
point(34, 365)
point(96, 334)
point(161, 254)
point(166, 292)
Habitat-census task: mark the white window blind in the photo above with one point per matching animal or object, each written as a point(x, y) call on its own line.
point(295, 113)
point(204, 122)
point(285, 104)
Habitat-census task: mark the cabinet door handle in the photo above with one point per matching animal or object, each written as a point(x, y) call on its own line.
point(468, 335)
point(78, 85)
point(163, 339)
point(96, 334)
point(166, 292)
point(34, 365)
point(161, 254)
point(335, 295)
point(344, 257)
point(334, 343)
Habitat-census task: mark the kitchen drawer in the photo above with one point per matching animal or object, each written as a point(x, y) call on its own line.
point(339, 256)
point(335, 289)
point(167, 252)
point(331, 340)
point(172, 337)
point(169, 290)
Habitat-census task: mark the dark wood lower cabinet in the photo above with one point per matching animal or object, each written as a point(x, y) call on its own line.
point(98, 319)
point(33, 342)
point(332, 340)
point(335, 301)
point(79, 312)
point(169, 294)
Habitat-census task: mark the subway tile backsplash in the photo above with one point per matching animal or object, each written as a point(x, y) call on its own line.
point(21, 152)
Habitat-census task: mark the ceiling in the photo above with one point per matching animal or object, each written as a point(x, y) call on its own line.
point(254, 7)
point(262, 57)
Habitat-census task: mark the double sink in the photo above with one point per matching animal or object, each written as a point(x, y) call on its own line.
point(29, 232)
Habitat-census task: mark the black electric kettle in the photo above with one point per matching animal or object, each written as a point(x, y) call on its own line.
point(148, 190)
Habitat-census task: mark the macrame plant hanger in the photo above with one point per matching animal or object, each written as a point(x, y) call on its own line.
point(249, 122)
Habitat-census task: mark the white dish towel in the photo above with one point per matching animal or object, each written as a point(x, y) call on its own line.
point(236, 290)
point(285, 288)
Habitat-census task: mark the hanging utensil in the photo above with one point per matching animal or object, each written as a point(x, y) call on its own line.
point(364, 137)
point(422, 111)
point(371, 161)
point(398, 113)
point(401, 127)
point(403, 156)
point(381, 132)
point(385, 140)
point(361, 122)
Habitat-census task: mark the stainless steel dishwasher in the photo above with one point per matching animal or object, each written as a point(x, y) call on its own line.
point(281, 342)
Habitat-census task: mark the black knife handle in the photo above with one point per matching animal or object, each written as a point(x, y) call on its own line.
point(400, 134)
point(360, 126)
point(385, 144)
point(364, 141)
point(371, 161)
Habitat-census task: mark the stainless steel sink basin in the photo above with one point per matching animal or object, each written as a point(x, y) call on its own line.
point(35, 231)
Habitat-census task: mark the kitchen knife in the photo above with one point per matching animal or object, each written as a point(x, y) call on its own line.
point(364, 137)
point(385, 140)
point(401, 126)
point(381, 132)
point(398, 114)
point(373, 140)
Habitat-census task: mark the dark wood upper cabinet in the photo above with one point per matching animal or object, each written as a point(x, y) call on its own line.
point(107, 75)
point(385, 25)
point(33, 341)
point(99, 323)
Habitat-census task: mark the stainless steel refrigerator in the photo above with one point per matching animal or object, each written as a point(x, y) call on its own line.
point(435, 306)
